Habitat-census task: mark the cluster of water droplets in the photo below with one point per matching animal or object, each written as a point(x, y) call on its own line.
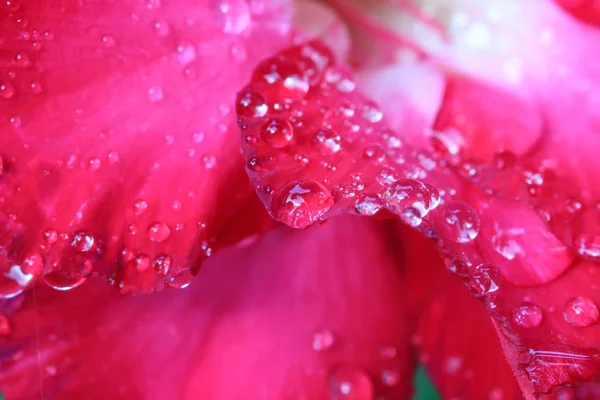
point(302, 145)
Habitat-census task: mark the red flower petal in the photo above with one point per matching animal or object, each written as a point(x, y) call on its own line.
point(585, 10)
point(281, 319)
point(343, 159)
point(119, 150)
point(457, 341)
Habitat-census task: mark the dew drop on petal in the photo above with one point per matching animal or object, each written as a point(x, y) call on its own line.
point(159, 232)
point(6, 90)
point(367, 204)
point(347, 382)
point(581, 311)
point(390, 378)
point(301, 203)
point(328, 141)
point(461, 222)
point(232, 16)
point(484, 280)
point(588, 246)
point(251, 105)
point(82, 242)
point(277, 133)
point(163, 264)
point(527, 315)
point(139, 207)
point(410, 199)
point(323, 340)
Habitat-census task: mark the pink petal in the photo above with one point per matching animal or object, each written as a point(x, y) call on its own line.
point(343, 158)
point(119, 149)
point(283, 318)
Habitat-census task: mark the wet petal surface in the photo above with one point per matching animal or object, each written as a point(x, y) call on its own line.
point(119, 153)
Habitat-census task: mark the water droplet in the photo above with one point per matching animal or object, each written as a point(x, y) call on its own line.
point(347, 382)
point(277, 133)
point(283, 80)
point(368, 204)
point(457, 266)
point(155, 94)
point(527, 315)
point(410, 199)
point(6, 90)
point(161, 28)
point(496, 394)
point(163, 264)
point(323, 340)
point(372, 113)
point(461, 222)
point(232, 16)
point(328, 141)
point(484, 280)
point(50, 236)
point(139, 207)
point(186, 53)
point(108, 41)
point(22, 60)
point(581, 311)
point(5, 327)
point(390, 378)
point(142, 263)
point(588, 246)
point(35, 87)
point(302, 203)
point(181, 280)
point(251, 105)
point(159, 232)
point(82, 242)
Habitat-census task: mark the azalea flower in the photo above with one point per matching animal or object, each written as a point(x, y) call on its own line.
point(417, 184)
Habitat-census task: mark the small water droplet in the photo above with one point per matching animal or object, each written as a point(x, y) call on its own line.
point(390, 378)
point(527, 315)
point(461, 222)
point(232, 16)
point(457, 266)
point(186, 53)
point(159, 232)
point(162, 28)
point(142, 263)
point(6, 90)
point(581, 312)
point(82, 242)
point(277, 133)
point(484, 280)
point(163, 264)
point(588, 246)
point(108, 41)
point(282, 79)
point(496, 394)
point(328, 141)
point(155, 94)
point(181, 280)
point(323, 340)
point(347, 382)
point(22, 60)
point(368, 204)
point(302, 203)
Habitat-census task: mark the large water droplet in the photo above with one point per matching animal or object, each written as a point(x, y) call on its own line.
point(581, 311)
point(282, 79)
point(527, 315)
point(302, 203)
point(277, 133)
point(350, 383)
point(410, 199)
point(251, 105)
point(588, 246)
point(159, 232)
